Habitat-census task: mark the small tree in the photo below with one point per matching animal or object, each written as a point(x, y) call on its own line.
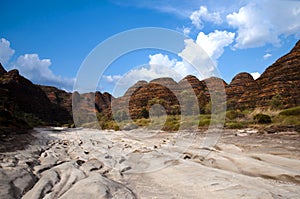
point(145, 113)
point(276, 102)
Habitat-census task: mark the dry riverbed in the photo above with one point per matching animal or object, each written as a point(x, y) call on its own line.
point(87, 163)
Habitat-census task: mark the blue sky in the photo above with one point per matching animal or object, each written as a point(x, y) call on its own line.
point(48, 40)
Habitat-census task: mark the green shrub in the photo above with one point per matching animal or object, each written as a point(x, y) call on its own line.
point(286, 120)
point(204, 122)
point(30, 119)
point(247, 112)
point(291, 111)
point(231, 115)
point(189, 122)
point(276, 102)
point(262, 118)
point(171, 127)
point(142, 122)
point(235, 125)
point(172, 123)
point(205, 116)
point(144, 113)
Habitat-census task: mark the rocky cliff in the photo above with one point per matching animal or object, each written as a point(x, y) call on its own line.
point(23, 99)
point(281, 82)
point(161, 91)
point(279, 85)
point(199, 88)
point(59, 99)
point(2, 70)
point(103, 101)
point(20, 99)
point(240, 91)
point(184, 97)
point(283, 79)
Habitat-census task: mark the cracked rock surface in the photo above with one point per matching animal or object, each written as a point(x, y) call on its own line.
point(86, 163)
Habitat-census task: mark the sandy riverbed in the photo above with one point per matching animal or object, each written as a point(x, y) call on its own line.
point(86, 163)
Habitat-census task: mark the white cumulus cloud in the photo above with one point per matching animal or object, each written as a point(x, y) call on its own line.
point(193, 61)
point(146, 72)
point(161, 60)
point(215, 42)
point(32, 67)
point(255, 75)
point(262, 22)
point(197, 58)
point(199, 16)
point(111, 78)
point(267, 56)
point(38, 71)
point(186, 31)
point(5, 51)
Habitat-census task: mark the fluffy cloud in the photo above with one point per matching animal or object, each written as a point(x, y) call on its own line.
point(197, 58)
point(215, 42)
point(161, 60)
point(186, 31)
point(33, 68)
point(173, 68)
point(260, 23)
point(5, 51)
point(198, 17)
point(255, 75)
point(267, 56)
point(194, 61)
point(111, 78)
point(38, 71)
point(159, 65)
point(147, 72)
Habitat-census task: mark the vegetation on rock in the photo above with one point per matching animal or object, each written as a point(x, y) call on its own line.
point(262, 118)
point(276, 89)
point(291, 111)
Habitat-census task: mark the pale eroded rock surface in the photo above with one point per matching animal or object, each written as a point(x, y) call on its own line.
point(153, 164)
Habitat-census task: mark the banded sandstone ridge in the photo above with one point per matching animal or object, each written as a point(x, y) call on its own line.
point(23, 103)
point(281, 79)
point(20, 97)
point(21, 100)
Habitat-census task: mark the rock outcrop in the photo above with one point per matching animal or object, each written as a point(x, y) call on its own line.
point(2, 70)
point(85, 163)
point(23, 98)
point(199, 88)
point(281, 81)
point(103, 101)
point(163, 91)
point(52, 105)
point(86, 107)
point(59, 99)
point(281, 78)
point(175, 98)
point(120, 105)
point(241, 88)
point(24, 101)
